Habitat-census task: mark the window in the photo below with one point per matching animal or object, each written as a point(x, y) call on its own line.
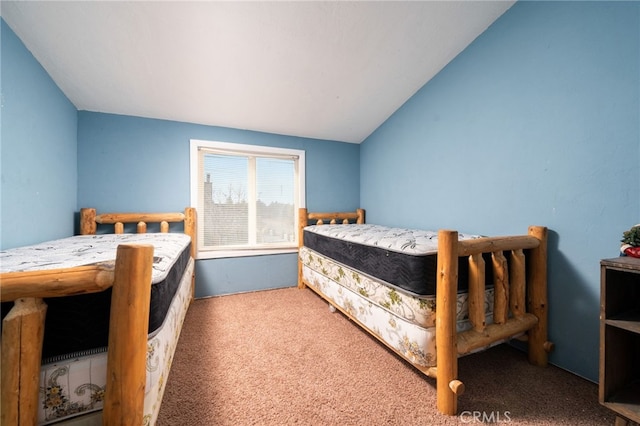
point(247, 198)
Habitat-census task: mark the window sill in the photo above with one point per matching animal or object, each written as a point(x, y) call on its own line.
point(221, 254)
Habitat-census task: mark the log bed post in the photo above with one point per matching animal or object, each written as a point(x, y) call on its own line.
point(537, 295)
point(22, 336)
point(190, 223)
point(190, 228)
point(128, 329)
point(447, 385)
point(302, 222)
point(88, 224)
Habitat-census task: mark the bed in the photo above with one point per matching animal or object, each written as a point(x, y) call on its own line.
point(430, 297)
point(93, 320)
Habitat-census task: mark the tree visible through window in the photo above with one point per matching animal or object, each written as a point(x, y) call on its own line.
point(247, 196)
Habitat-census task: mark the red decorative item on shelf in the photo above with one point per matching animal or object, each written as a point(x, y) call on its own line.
point(631, 242)
point(632, 251)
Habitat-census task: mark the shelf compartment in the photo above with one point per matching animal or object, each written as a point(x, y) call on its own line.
point(620, 381)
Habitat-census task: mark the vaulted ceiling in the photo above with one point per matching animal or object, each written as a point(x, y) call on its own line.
point(331, 70)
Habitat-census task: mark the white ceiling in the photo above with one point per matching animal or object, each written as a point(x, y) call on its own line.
point(325, 70)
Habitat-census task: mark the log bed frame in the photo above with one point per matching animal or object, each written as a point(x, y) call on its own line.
point(520, 298)
point(130, 276)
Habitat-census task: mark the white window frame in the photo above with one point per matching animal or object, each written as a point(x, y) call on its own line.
point(197, 175)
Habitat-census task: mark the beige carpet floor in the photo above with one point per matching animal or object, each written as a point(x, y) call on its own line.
point(279, 357)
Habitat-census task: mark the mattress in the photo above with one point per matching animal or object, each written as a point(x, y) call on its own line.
point(81, 323)
point(402, 258)
point(73, 374)
point(411, 308)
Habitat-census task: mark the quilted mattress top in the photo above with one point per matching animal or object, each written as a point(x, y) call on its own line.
point(81, 250)
point(402, 240)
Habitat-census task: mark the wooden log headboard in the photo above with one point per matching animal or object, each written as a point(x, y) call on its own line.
point(89, 222)
point(305, 218)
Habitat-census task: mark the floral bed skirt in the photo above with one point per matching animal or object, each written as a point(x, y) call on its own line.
point(405, 322)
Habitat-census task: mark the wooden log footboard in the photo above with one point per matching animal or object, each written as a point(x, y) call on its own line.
point(519, 265)
point(23, 327)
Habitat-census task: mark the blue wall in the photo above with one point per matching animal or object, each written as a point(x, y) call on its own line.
point(136, 164)
point(38, 170)
point(537, 122)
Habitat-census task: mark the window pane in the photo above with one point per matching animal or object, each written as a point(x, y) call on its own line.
point(275, 207)
point(225, 200)
point(247, 196)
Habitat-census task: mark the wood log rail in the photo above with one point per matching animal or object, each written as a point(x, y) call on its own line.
point(56, 282)
point(23, 327)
